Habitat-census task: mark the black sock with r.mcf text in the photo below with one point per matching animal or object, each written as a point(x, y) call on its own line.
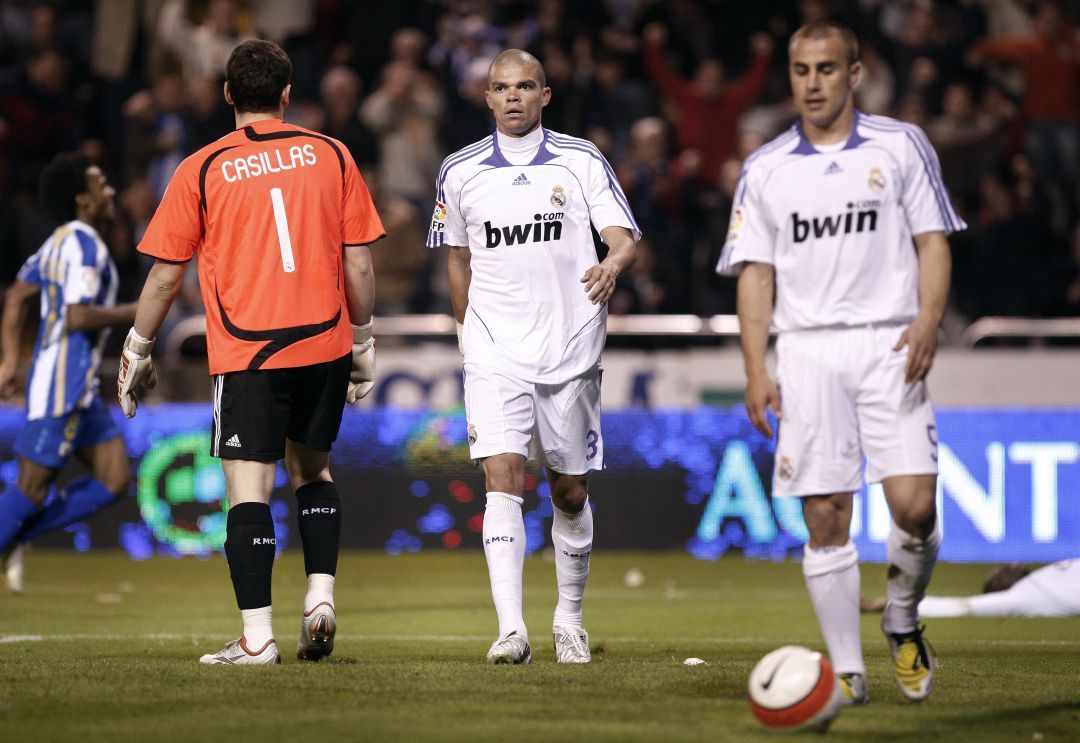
point(318, 513)
point(249, 547)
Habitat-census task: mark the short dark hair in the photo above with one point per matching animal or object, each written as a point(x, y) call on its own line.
point(257, 72)
point(1003, 578)
point(825, 29)
point(519, 57)
point(61, 181)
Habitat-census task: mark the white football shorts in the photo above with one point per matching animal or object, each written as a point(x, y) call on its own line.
point(557, 424)
point(843, 397)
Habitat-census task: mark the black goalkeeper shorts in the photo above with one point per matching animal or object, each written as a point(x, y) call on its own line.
point(256, 410)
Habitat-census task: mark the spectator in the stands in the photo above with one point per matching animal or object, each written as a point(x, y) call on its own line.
point(706, 109)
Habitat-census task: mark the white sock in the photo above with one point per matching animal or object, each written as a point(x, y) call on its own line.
point(258, 627)
point(572, 535)
point(320, 588)
point(504, 548)
point(911, 561)
point(832, 578)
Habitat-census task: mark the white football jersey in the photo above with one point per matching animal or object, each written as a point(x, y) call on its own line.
point(1059, 586)
point(837, 223)
point(528, 229)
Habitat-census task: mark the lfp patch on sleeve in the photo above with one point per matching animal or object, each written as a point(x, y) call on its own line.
point(438, 218)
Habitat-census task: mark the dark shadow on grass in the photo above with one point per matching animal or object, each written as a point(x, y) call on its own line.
point(994, 724)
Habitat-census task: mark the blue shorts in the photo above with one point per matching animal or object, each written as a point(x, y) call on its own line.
point(51, 441)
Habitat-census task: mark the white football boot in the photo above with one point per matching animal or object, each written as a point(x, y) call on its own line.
point(317, 630)
point(571, 645)
point(237, 653)
point(510, 648)
point(14, 561)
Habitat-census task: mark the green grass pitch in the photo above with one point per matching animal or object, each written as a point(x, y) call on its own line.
point(104, 648)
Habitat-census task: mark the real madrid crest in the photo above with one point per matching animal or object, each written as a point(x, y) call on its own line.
point(558, 196)
point(785, 470)
point(877, 180)
point(472, 433)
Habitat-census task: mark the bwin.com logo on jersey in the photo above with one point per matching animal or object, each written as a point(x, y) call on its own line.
point(543, 228)
point(857, 218)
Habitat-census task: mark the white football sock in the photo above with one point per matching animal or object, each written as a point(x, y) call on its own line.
point(320, 588)
point(504, 548)
point(832, 579)
point(571, 534)
point(258, 627)
point(911, 562)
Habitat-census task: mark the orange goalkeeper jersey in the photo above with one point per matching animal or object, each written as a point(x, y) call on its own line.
point(267, 209)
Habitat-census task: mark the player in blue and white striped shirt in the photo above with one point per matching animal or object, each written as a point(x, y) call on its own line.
point(842, 220)
point(76, 280)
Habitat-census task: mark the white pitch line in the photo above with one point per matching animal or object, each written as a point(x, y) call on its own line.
point(13, 639)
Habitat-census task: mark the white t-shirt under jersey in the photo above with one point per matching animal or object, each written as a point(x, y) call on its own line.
point(837, 223)
point(525, 208)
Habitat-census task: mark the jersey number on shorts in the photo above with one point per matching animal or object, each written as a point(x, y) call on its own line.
point(282, 223)
point(590, 439)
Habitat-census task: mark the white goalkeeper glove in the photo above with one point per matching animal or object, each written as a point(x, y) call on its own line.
point(136, 371)
point(362, 376)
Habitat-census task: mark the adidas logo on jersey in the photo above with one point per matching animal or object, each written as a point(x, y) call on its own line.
point(234, 440)
point(864, 220)
point(833, 168)
point(521, 180)
point(545, 227)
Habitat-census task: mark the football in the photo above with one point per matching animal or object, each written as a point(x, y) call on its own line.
point(794, 688)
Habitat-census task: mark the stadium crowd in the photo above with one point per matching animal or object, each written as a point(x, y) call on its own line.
point(674, 93)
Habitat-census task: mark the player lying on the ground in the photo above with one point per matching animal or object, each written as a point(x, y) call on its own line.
point(76, 278)
point(1010, 591)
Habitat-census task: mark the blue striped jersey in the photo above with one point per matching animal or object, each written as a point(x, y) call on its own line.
point(72, 267)
point(526, 215)
point(837, 222)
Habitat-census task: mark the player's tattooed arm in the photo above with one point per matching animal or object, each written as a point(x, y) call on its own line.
point(600, 280)
point(935, 275)
point(756, 288)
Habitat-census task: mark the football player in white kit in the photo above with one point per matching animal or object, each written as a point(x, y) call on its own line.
point(516, 210)
point(842, 220)
point(1010, 591)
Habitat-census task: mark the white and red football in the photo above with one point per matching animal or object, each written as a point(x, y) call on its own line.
point(794, 688)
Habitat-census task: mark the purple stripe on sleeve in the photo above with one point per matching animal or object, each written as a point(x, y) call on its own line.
point(456, 159)
point(590, 149)
point(929, 161)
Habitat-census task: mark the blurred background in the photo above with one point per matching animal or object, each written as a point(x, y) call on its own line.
point(676, 94)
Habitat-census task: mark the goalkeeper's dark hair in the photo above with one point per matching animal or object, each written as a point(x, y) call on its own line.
point(823, 30)
point(256, 73)
point(61, 181)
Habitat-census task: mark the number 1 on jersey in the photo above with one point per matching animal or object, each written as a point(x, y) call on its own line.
point(282, 222)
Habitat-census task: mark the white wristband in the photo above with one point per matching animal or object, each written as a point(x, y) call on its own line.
point(362, 333)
